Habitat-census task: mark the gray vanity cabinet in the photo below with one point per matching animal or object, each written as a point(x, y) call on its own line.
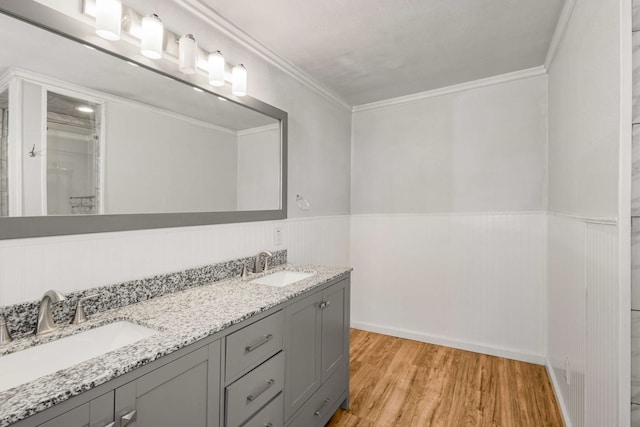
point(288, 366)
point(303, 341)
point(316, 347)
point(335, 328)
point(177, 394)
point(96, 413)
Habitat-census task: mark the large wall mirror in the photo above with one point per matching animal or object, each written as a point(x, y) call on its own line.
point(94, 141)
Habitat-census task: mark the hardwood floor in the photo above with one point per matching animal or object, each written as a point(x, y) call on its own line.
point(399, 382)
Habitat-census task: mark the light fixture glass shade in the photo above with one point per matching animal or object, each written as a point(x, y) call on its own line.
point(152, 37)
point(187, 54)
point(239, 80)
point(109, 19)
point(216, 69)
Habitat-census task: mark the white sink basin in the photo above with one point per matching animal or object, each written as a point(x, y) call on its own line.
point(34, 362)
point(281, 278)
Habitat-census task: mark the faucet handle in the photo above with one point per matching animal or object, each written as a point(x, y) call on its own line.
point(80, 316)
point(5, 336)
point(245, 272)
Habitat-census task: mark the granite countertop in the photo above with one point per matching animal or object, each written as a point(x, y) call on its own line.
point(181, 318)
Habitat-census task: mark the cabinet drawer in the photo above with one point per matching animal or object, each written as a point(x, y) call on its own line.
point(315, 411)
point(250, 346)
point(270, 416)
point(254, 390)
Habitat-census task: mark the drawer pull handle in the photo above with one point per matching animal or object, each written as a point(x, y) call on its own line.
point(265, 339)
point(319, 411)
point(253, 397)
point(128, 418)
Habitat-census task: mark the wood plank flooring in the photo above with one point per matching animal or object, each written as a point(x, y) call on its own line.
point(399, 382)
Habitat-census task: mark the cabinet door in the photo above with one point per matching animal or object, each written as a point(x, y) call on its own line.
point(173, 395)
point(97, 413)
point(302, 352)
point(335, 328)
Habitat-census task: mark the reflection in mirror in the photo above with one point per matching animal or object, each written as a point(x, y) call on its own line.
point(119, 139)
point(73, 137)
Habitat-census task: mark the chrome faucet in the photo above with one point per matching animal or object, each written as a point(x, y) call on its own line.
point(257, 268)
point(45, 318)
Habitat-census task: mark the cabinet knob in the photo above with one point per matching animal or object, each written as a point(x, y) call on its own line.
point(128, 418)
point(323, 305)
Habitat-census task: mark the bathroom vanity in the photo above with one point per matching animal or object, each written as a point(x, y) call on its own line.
point(229, 353)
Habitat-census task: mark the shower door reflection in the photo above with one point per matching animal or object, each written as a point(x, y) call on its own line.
point(73, 155)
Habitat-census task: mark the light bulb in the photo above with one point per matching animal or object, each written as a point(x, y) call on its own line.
point(187, 54)
point(239, 80)
point(109, 19)
point(152, 37)
point(216, 69)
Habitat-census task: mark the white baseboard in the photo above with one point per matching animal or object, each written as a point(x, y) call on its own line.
point(556, 391)
point(538, 359)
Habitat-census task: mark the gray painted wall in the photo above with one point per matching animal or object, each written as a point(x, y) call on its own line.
point(473, 151)
point(584, 106)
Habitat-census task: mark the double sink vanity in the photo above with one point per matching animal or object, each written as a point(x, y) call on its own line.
point(268, 350)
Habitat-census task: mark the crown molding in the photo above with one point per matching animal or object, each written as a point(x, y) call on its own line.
point(461, 87)
point(200, 9)
point(558, 34)
point(259, 129)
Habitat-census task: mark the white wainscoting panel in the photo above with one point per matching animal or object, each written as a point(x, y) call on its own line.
point(471, 281)
point(567, 314)
point(320, 240)
point(28, 267)
point(603, 316)
point(583, 319)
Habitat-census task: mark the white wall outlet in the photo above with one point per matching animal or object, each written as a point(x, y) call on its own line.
point(567, 375)
point(277, 236)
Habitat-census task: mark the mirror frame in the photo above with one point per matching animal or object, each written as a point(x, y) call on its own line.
point(42, 226)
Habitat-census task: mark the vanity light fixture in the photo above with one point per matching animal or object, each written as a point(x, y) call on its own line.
point(239, 80)
point(187, 54)
point(84, 109)
point(216, 68)
point(109, 19)
point(110, 16)
point(152, 37)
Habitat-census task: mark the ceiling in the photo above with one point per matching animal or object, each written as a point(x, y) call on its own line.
point(371, 50)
